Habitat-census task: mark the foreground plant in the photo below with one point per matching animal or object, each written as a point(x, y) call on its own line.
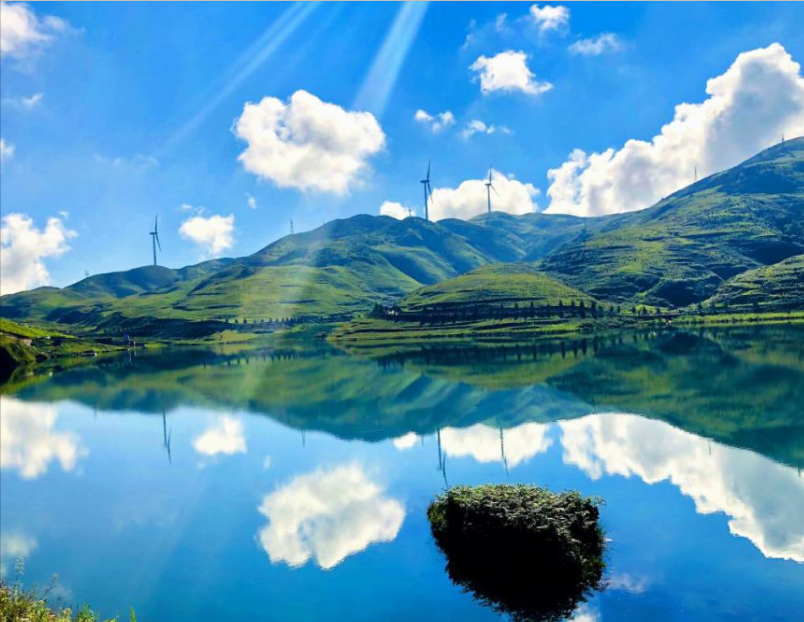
point(21, 605)
point(522, 550)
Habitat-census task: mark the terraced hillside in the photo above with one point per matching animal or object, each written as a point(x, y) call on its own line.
point(683, 249)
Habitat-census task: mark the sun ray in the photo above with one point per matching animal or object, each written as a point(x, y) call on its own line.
point(378, 84)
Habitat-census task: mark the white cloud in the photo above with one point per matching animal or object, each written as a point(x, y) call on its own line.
point(225, 436)
point(307, 143)
point(437, 122)
point(251, 201)
point(6, 151)
point(585, 613)
point(476, 126)
point(13, 546)
point(627, 583)
point(214, 233)
point(595, 46)
point(550, 17)
point(327, 515)
point(485, 443)
point(759, 98)
point(23, 249)
point(22, 33)
point(24, 102)
point(469, 198)
point(407, 441)
point(717, 478)
point(396, 210)
point(507, 71)
point(29, 441)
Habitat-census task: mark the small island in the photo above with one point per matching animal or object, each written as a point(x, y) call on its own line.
point(521, 550)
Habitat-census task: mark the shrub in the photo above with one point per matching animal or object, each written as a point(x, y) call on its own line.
point(521, 550)
point(18, 604)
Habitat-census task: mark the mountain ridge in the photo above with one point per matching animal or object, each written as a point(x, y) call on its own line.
point(677, 253)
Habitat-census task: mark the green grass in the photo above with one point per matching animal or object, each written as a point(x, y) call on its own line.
point(21, 605)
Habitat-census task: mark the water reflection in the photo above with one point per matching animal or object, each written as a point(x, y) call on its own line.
point(488, 444)
point(327, 515)
point(29, 441)
point(763, 499)
point(13, 546)
point(535, 410)
point(225, 436)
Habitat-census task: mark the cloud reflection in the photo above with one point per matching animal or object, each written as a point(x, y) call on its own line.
point(488, 444)
point(13, 546)
point(29, 442)
point(224, 437)
point(763, 499)
point(327, 515)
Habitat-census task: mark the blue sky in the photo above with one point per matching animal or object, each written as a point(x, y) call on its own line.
point(139, 101)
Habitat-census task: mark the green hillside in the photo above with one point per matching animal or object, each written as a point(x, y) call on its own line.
point(681, 250)
point(778, 287)
point(684, 250)
point(496, 284)
point(336, 270)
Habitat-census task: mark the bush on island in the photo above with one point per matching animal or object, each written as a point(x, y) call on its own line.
point(522, 550)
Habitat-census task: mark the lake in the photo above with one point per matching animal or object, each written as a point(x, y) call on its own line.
point(291, 484)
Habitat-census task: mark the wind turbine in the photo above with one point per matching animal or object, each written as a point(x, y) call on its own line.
point(489, 188)
point(155, 237)
point(428, 192)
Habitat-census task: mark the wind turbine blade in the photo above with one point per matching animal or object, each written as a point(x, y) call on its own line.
point(428, 170)
point(495, 189)
point(156, 224)
point(430, 191)
point(158, 243)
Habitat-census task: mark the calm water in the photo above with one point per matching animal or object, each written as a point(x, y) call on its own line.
point(292, 485)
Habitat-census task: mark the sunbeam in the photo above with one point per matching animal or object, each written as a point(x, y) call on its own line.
point(376, 88)
point(256, 54)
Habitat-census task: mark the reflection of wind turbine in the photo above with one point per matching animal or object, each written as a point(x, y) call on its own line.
point(489, 188)
point(442, 458)
point(155, 237)
point(502, 451)
point(428, 192)
point(166, 437)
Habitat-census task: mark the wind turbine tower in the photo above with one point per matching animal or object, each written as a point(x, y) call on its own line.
point(428, 193)
point(155, 238)
point(489, 188)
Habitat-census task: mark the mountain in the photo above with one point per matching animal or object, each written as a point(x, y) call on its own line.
point(337, 269)
point(779, 287)
point(681, 250)
point(687, 248)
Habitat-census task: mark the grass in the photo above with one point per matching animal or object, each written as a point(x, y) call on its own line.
point(26, 605)
point(521, 550)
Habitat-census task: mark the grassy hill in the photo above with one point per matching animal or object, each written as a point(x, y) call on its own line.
point(776, 287)
point(683, 249)
point(336, 270)
point(508, 284)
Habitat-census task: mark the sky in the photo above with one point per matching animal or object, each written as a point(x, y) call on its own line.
point(228, 120)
